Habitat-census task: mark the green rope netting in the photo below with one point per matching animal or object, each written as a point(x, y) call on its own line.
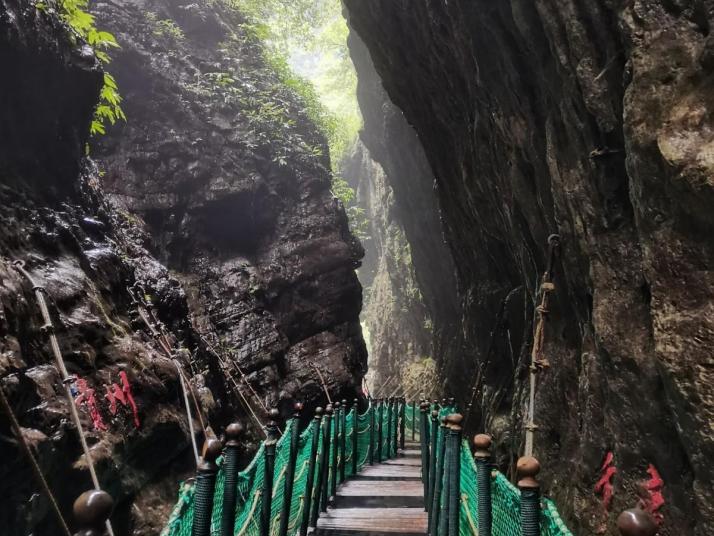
point(505, 496)
point(505, 504)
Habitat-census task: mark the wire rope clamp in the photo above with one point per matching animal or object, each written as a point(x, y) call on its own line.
point(92, 510)
point(636, 522)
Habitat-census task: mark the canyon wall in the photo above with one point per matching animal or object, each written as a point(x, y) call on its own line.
point(591, 120)
point(394, 315)
point(203, 198)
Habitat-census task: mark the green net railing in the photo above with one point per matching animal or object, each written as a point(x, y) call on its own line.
point(505, 504)
point(506, 498)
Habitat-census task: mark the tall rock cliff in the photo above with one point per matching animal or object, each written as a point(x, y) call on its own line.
point(591, 120)
point(228, 227)
point(394, 314)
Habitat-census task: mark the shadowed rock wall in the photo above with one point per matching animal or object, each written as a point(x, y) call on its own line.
point(591, 120)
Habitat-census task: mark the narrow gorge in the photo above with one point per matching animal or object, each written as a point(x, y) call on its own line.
point(231, 206)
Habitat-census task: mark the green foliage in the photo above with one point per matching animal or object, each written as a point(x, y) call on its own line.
point(307, 49)
point(165, 27)
point(75, 14)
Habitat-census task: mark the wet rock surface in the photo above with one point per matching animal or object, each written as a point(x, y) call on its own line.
point(233, 182)
point(591, 120)
point(231, 232)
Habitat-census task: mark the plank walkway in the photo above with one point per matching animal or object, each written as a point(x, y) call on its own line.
point(385, 499)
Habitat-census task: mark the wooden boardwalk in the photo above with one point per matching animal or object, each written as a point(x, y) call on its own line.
point(385, 499)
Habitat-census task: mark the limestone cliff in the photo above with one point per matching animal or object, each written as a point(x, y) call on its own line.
point(591, 120)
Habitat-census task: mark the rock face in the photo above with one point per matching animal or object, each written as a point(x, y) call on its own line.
point(232, 179)
point(394, 313)
point(591, 120)
point(395, 187)
point(235, 238)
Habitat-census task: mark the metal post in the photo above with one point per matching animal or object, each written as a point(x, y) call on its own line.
point(432, 456)
point(443, 526)
point(414, 424)
point(205, 484)
point(482, 457)
point(269, 473)
point(372, 432)
point(326, 459)
point(355, 437)
point(423, 408)
point(343, 441)
point(334, 450)
point(395, 432)
point(438, 477)
point(230, 469)
point(91, 511)
point(527, 469)
point(380, 409)
point(308, 499)
point(402, 422)
point(290, 472)
point(389, 427)
point(454, 421)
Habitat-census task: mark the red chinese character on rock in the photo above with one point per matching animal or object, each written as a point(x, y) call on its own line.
point(604, 485)
point(123, 395)
point(86, 396)
point(651, 490)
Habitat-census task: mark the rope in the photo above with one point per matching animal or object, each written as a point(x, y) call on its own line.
point(33, 462)
point(67, 380)
point(249, 517)
point(246, 405)
point(163, 343)
point(243, 376)
point(538, 360)
point(465, 502)
point(322, 381)
point(150, 320)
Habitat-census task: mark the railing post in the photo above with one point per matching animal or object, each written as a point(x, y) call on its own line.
point(389, 427)
point(325, 495)
point(335, 450)
point(311, 473)
point(482, 457)
point(395, 432)
point(443, 526)
point(432, 456)
point(290, 472)
point(230, 469)
point(355, 437)
point(343, 441)
point(454, 425)
point(402, 422)
point(269, 473)
point(527, 469)
point(636, 522)
point(414, 423)
point(423, 408)
point(205, 487)
point(372, 431)
point(438, 477)
point(380, 422)
point(91, 511)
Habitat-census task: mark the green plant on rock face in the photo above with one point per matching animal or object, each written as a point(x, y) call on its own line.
point(75, 14)
point(167, 28)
